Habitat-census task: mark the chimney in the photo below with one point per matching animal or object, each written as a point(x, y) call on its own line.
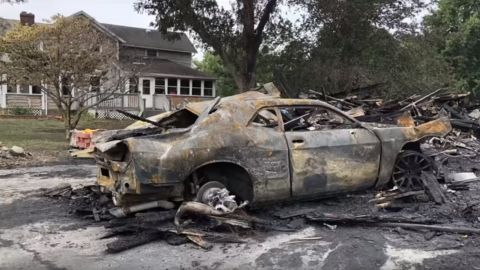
point(27, 18)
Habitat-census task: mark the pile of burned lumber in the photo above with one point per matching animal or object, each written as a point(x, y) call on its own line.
point(457, 152)
point(463, 111)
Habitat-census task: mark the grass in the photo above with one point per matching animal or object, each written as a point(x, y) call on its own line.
point(46, 135)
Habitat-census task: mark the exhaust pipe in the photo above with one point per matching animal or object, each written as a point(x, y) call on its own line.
point(121, 212)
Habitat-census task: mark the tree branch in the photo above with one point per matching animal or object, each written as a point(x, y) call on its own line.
point(269, 8)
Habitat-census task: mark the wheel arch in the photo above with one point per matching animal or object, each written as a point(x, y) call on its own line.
point(412, 145)
point(234, 176)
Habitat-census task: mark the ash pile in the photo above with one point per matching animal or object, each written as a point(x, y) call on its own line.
point(432, 211)
point(222, 220)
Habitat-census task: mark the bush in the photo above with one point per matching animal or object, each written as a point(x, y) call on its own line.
point(21, 111)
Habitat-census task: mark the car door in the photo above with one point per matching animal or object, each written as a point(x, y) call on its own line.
point(329, 153)
point(267, 156)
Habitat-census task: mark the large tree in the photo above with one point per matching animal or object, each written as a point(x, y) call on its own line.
point(235, 34)
point(456, 24)
point(348, 45)
point(70, 60)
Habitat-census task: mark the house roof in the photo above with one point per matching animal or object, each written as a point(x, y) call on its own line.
point(162, 68)
point(140, 37)
point(144, 38)
point(129, 36)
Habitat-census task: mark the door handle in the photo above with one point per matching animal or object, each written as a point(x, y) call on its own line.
point(297, 141)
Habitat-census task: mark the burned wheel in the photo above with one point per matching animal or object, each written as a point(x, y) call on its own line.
point(215, 194)
point(206, 191)
point(408, 170)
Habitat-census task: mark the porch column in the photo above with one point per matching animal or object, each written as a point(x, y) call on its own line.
point(45, 97)
point(126, 91)
point(3, 93)
point(213, 88)
point(178, 86)
point(43, 102)
point(190, 87)
point(202, 93)
point(152, 92)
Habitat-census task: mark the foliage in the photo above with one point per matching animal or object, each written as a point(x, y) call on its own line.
point(21, 111)
point(12, 1)
point(235, 34)
point(64, 59)
point(456, 24)
point(353, 45)
point(213, 64)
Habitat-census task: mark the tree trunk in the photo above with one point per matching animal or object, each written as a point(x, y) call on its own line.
point(242, 82)
point(241, 76)
point(67, 124)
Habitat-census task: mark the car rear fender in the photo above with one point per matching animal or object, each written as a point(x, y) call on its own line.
point(394, 139)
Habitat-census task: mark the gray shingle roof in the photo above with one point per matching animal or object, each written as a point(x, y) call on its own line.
point(162, 68)
point(140, 37)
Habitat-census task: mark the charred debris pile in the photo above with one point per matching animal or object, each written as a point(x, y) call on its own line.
point(433, 211)
point(448, 202)
point(455, 153)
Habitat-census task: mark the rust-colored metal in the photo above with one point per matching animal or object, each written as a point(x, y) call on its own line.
point(276, 164)
point(406, 120)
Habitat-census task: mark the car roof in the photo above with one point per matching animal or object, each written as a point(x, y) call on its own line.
point(243, 106)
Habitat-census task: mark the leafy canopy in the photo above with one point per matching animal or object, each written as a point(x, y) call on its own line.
point(235, 34)
point(457, 23)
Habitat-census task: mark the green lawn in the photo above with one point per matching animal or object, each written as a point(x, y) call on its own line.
point(41, 135)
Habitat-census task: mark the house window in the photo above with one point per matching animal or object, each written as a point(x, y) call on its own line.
point(184, 87)
point(159, 86)
point(132, 85)
point(146, 87)
point(24, 89)
point(95, 84)
point(172, 86)
point(11, 88)
point(208, 88)
point(151, 53)
point(36, 89)
point(196, 88)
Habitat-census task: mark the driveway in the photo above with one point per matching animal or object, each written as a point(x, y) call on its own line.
point(38, 233)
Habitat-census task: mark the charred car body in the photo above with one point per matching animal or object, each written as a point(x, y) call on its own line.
point(261, 148)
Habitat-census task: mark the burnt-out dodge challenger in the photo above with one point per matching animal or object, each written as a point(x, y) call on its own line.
point(261, 148)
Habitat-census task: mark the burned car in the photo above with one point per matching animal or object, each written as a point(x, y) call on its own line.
point(261, 148)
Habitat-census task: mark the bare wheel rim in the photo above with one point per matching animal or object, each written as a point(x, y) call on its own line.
point(408, 170)
point(208, 187)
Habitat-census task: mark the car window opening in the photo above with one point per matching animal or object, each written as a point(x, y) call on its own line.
point(179, 119)
point(313, 118)
point(266, 118)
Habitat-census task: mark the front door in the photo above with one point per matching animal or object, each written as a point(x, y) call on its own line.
point(147, 86)
point(328, 152)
